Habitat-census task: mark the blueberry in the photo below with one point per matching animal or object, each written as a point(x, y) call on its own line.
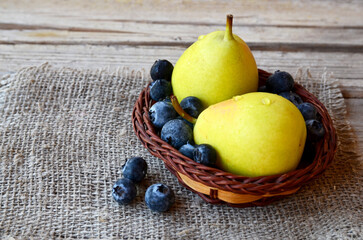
point(159, 197)
point(280, 82)
point(151, 84)
point(162, 112)
point(292, 97)
point(205, 154)
point(161, 69)
point(177, 133)
point(124, 191)
point(160, 90)
point(315, 130)
point(308, 111)
point(191, 125)
point(187, 150)
point(192, 105)
point(135, 169)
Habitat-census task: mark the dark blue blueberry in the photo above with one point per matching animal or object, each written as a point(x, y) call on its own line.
point(159, 197)
point(191, 125)
point(135, 169)
point(162, 112)
point(205, 154)
point(308, 111)
point(187, 150)
point(192, 105)
point(315, 130)
point(124, 191)
point(292, 97)
point(161, 69)
point(177, 133)
point(262, 88)
point(280, 82)
point(160, 90)
point(151, 84)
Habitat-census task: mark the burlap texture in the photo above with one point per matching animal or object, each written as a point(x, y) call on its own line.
point(65, 133)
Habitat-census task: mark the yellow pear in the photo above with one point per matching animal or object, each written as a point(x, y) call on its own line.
point(255, 134)
point(215, 68)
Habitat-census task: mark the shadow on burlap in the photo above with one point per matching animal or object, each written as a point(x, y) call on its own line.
point(65, 133)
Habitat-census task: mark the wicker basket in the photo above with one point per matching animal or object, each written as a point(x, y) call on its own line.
point(216, 186)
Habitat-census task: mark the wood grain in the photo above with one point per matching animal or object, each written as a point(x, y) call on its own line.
point(75, 24)
point(283, 13)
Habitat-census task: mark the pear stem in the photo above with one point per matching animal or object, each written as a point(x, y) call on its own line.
point(228, 34)
point(181, 111)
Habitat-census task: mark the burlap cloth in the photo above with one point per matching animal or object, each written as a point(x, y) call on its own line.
point(64, 134)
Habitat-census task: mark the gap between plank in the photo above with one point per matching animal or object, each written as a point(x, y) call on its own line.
point(261, 46)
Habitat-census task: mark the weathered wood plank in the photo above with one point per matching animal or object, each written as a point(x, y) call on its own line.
point(283, 40)
point(346, 67)
point(172, 24)
point(355, 116)
point(284, 13)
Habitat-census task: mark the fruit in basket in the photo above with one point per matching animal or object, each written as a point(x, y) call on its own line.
point(161, 112)
point(159, 197)
point(308, 111)
point(205, 154)
point(187, 150)
point(315, 130)
point(215, 68)
point(160, 89)
point(192, 105)
point(279, 82)
point(254, 134)
point(176, 132)
point(161, 69)
point(292, 97)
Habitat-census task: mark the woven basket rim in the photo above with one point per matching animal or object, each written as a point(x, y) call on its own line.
point(179, 164)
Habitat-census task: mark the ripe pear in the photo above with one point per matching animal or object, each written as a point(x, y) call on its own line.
point(215, 68)
point(255, 134)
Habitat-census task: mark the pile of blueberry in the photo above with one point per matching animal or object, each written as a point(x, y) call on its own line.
point(158, 197)
point(282, 83)
point(174, 129)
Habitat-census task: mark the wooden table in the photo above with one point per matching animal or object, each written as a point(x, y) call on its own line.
point(111, 33)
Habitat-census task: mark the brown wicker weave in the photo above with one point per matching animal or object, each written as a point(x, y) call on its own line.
point(216, 186)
